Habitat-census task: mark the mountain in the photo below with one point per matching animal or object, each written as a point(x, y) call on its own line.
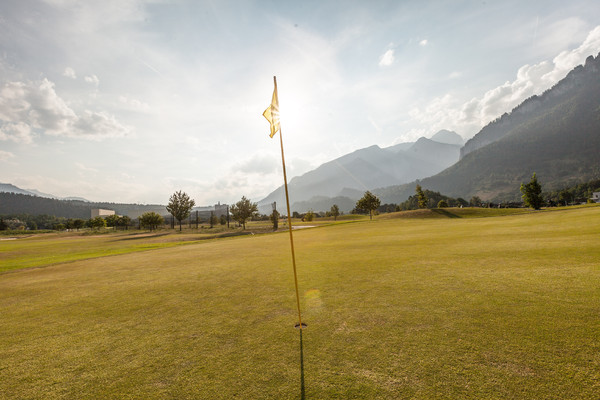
point(351, 175)
point(448, 137)
point(10, 188)
point(556, 135)
point(12, 203)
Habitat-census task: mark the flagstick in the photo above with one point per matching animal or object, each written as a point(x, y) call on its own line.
point(289, 217)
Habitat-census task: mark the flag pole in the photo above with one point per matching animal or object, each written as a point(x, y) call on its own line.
point(289, 218)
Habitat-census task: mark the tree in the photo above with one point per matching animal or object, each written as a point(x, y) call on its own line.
point(78, 223)
point(124, 221)
point(242, 210)
point(421, 197)
point(368, 202)
point(151, 220)
point(275, 219)
point(213, 220)
point(475, 201)
point(335, 211)
point(97, 223)
point(532, 193)
point(309, 216)
point(442, 204)
point(112, 220)
point(180, 205)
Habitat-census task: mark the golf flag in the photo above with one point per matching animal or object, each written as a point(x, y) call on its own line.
point(272, 113)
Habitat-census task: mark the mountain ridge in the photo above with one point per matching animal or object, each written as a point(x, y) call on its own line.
point(368, 168)
point(556, 135)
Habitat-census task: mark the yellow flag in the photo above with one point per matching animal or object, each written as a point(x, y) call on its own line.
point(272, 113)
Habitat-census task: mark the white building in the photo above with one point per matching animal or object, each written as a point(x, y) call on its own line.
point(98, 212)
point(596, 197)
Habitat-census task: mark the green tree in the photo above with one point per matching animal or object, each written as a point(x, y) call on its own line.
point(532, 193)
point(124, 221)
point(112, 220)
point(78, 223)
point(223, 219)
point(242, 210)
point(151, 220)
point(335, 211)
point(213, 220)
point(275, 219)
point(96, 223)
point(309, 216)
point(421, 197)
point(180, 205)
point(442, 204)
point(369, 202)
point(475, 201)
point(3, 225)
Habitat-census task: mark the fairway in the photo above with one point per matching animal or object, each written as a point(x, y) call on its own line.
point(502, 307)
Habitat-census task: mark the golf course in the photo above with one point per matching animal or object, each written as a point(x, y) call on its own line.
point(431, 304)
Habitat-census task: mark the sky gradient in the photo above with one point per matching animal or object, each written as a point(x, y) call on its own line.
point(129, 101)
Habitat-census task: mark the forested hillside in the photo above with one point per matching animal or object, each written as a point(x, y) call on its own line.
point(16, 203)
point(559, 140)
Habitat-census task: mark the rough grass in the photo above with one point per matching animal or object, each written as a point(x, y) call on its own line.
point(498, 308)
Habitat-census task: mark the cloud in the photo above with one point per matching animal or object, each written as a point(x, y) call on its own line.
point(93, 79)
point(5, 155)
point(261, 164)
point(134, 104)
point(387, 58)
point(83, 169)
point(447, 112)
point(17, 132)
point(423, 42)
point(35, 105)
point(70, 73)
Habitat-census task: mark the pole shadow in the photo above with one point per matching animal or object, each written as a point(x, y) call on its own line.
point(302, 390)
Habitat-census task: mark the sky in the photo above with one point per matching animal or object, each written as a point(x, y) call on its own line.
point(129, 101)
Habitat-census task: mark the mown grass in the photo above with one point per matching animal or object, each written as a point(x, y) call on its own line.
point(397, 308)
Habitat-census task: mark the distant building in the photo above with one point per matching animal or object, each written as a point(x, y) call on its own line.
point(98, 212)
point(596, 197)
point(221, 209)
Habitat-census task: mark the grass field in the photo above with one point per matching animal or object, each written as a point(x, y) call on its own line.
point(429, 307)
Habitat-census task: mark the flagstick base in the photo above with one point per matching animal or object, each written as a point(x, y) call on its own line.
point(297, 326)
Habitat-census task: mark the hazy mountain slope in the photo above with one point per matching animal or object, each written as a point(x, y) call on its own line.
point(10, 188)
point(559, 139)
point(448, 137)
point(366, 169)
point(535, 106)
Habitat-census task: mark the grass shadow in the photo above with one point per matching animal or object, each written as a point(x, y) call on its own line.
point(445, 213)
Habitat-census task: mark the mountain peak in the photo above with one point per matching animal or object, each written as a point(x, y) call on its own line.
point(448, 137)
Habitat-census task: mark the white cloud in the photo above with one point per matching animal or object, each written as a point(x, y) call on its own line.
point(70, 73)
point(134, 104)
point(5, 155)
point(17, 132)
point(24, 106)
point(387, 58)
point(423, 42)
point(447, 112)
point(93, 79)
point(261, 164)
point(83, 169)
point(96, 126)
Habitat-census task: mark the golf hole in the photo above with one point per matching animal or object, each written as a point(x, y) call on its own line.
point(297, 326)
